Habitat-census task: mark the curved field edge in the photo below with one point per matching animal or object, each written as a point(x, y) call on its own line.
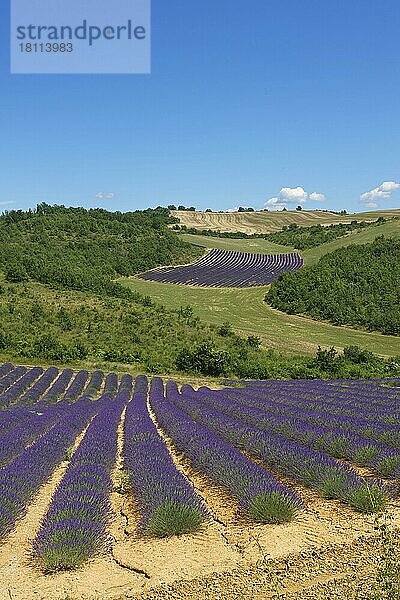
point(310, 256)
point(246, 310)
point(266, 222)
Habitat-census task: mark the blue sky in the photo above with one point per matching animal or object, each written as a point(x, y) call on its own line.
point(247, 103)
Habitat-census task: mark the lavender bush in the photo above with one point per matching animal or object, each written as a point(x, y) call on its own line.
point(259, 494)
point(75, 526)
point(168, 502)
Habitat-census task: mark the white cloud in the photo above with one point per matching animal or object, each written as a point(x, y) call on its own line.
point(371, 204)
point(107, 196)
point(293, 195)
point(275, 204)
point(315, 197)
point(297, 195)
point(389, 186)
point(6, 202)
point(371, 199)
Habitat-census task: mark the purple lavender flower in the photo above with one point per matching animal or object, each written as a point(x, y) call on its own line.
point(75, 526)
point(167, 500)
point(258, 492)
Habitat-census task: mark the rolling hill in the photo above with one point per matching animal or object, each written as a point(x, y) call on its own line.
point(267, 222)
point(312, 255)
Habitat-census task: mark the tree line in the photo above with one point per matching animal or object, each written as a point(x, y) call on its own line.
point(358, 285)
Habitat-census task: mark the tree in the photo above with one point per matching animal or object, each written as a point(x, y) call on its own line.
point(203, 359)
point(171, 207)
point(15, 272)
point(299, 207)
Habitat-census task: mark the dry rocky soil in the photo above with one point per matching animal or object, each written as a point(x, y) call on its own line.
point(328, 551)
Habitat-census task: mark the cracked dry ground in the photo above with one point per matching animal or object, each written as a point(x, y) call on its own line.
point(328, 551)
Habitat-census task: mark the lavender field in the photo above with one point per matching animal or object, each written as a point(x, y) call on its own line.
point(222, 268)
point(265, 445)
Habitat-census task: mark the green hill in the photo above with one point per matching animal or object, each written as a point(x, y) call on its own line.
point(63, 301)
point(86, 249)
point(354, 285)
point(390, 228)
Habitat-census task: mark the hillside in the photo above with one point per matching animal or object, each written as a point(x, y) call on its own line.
point(354, 285)
point(86, 249)
point(267, 222)
point(249, 315)
point(390, 228)
point(63, 300)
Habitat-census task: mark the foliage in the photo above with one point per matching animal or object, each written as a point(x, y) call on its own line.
point(356, 285)
point(315, 235)
point(204, 359)
point(75, 327)
point(387, 583)
point(87, 249)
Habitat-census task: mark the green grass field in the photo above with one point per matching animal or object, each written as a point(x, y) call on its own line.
point(254, 246)
point(249, 315)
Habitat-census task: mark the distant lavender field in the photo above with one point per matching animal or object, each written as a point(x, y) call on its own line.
point(222, 268)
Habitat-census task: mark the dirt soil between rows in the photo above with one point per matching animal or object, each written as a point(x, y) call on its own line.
point(328, 551)
point(325, 553)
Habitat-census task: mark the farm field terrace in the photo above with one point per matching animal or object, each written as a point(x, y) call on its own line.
point(266, 222)
point(221, 268)
point(117, 488)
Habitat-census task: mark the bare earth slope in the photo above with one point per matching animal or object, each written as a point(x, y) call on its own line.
point(327, 552)
point(267, 222)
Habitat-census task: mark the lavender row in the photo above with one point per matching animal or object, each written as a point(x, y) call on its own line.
point(59, 387)
point(40, 386)
point(77, 386)
point(304, 465)
point(339, 393)
point(259, 494)
point(111, 384)
point(222, 268)
point(317, 395)
point(75, 526)
point(167, 500)
point(364, 426)
point(93, 387)
point(11, 377)
point(21, 479)
point(16, 414)
point(5, 368)
point(382, 459)
point(19, 412)
point(28, 430)
point(19, 387)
